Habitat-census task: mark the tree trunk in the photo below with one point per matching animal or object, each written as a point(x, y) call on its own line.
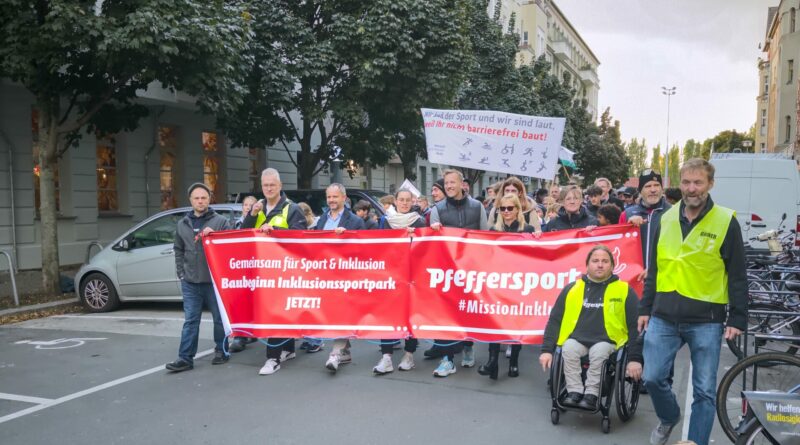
point(48, 213)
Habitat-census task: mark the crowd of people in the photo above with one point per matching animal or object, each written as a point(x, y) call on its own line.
point(694, 278)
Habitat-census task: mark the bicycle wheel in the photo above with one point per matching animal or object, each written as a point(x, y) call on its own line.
point(767, 324)
point(770, 371)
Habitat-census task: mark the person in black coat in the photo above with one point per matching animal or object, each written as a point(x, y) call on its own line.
point(361, 209)
point(510, 219)
point(573, 215)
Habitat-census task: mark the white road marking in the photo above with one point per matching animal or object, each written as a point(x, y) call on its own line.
point(26, 399)
point(687, 405)
point(92, 390)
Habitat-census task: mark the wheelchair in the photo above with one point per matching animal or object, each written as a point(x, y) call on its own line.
point(613, 384)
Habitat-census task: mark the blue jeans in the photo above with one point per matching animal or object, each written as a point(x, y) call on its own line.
point(195, 295)
point(662, 342)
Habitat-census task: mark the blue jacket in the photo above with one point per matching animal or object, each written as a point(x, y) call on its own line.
point(348, 220)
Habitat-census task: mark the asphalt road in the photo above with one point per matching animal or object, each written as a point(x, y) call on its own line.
point(109, 387)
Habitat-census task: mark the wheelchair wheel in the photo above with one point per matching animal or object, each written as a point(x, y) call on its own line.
point(554, 415)
point(627, 391)
point(557, 383)
point(605, 425)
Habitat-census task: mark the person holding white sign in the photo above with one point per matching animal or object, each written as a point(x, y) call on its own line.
point(461, 211)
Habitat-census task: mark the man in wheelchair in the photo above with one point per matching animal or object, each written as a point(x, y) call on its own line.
point(595, 315)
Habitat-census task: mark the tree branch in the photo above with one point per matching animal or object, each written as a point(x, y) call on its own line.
point(288, 152)
point(83, 120)
point(69, 108)
point(292, 126)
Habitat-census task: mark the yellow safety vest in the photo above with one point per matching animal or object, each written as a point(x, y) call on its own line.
point(614, 317)
point(693, 266)
point(281, 220)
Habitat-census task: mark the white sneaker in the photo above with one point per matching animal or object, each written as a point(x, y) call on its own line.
point(286, 355)
point(333, 362)
point(468, 360)
point(407, 363)
point(446, 367)
point(384, 366)
point(270, 367)
point(344, 356)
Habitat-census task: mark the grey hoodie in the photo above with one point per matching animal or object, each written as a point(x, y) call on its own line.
point(190, 258)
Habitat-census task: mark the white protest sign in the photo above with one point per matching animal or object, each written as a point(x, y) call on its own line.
point(494, 141)
point(408, 185)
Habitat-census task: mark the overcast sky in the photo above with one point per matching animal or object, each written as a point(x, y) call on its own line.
point(708, 49)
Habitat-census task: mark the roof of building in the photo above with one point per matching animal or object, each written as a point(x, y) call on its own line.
point(572, 28)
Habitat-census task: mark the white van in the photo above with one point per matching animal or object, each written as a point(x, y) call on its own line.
point(760, 188)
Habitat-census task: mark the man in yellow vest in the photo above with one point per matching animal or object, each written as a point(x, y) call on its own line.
point(275, 212)
point(695, 290)
point(595, 315)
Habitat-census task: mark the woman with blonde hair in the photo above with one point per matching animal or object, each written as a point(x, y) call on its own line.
point(510, 220)
point(514, 186)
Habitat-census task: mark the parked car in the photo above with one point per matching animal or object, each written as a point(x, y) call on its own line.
point(315, 198)
point(140, 264)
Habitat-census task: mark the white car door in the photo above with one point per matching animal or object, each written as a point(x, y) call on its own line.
point(147, 268)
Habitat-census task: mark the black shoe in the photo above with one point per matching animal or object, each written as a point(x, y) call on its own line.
point(490, 368)
point(314, 348)
point(572, 399)
point(304, 345)
point(433, 352)
point(237, 345)
point(513, 371)
point(642, 388)
point(219, 358)
point(589, 402)
point(179, 365)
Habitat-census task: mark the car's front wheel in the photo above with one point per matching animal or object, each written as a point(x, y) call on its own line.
point(98, 294)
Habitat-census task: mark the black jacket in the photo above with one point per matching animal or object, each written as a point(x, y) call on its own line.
point(296, 219)
point(590, 328)
point(652, 218)
point(348, 220)
point(514, 228)
point(676, 308)
point(566, 221)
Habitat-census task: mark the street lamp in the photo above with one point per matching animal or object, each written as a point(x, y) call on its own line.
point(669, 92)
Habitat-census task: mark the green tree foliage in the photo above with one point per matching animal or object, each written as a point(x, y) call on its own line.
point(657, 159)
point(603, 155)
point(354, 75)
point(674, 163)
point(83, 61)
point(691, 149)
point(727, 141)
point(637, 153)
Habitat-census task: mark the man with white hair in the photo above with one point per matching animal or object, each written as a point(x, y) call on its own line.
point(605, 185)
point(275, 211)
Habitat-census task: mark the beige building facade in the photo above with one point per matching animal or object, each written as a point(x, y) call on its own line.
point(777, 114)
point(545, 30)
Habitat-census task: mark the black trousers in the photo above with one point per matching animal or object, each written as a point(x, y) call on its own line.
point(277, 345)
point(387, 346)
point(449, 351)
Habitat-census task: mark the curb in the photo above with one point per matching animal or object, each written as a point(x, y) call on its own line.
point(36, 307)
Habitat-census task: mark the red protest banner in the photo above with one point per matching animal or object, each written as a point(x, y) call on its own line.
point(490, 286)
point(312, 283)
point(452, 285)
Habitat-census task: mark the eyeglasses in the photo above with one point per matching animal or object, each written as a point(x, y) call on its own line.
point(507, 209)
point(650, 171)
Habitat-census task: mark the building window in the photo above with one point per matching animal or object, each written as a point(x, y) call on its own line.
point(423, 179)
point(792, 21)
point(107, 174)
point(766, 85)
point(763, 147)
point(168, 147)
point(763, 129)
point(788, 129)
point(211, 164)
point(790, 71)
point(37, 196)
point(525, 37)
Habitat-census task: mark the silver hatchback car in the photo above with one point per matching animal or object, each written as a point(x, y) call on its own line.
point(140, 264)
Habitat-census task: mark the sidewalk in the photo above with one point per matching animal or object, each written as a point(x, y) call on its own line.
point(29, 289)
